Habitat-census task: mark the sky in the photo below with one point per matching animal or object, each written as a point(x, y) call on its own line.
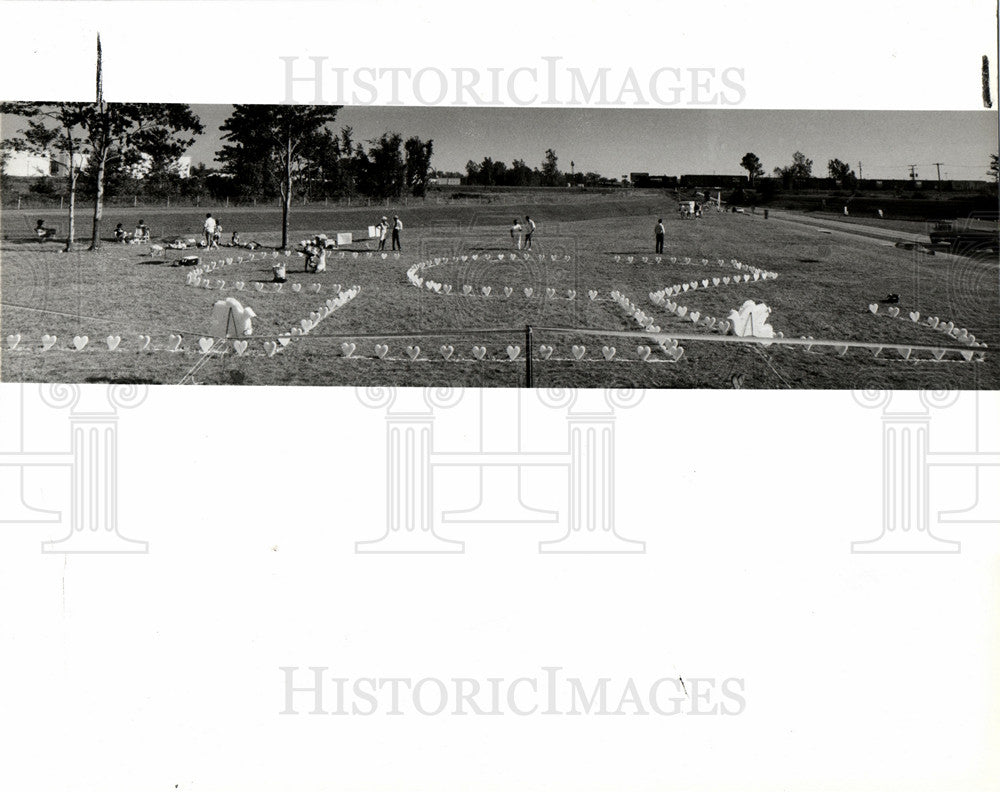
point(615, 142)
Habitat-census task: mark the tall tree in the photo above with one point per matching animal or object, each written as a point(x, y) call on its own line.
point(550, 169)
point(276, 136)
point(418, 164)
point(799, 170)
point(387, 169)
point(994, 171)
point(55, 127)
point(751, 164)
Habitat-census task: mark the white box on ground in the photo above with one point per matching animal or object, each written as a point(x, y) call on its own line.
point(345, 239)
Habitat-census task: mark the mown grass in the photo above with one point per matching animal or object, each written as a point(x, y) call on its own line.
point(823, 290)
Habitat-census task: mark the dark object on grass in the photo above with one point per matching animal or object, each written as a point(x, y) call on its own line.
point(186, 261)
point(891, 299)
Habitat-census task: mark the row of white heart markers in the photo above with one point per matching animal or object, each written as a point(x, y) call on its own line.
point(265, 288)
point(206, 344)
point(414, 277)
point(578, 351)
point(960, 334)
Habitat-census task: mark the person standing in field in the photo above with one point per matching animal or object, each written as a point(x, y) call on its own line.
point(529, 229)
point(382, 228)
point(397, 226)
point(515, 233)
point(660, 233)
point(209, 229)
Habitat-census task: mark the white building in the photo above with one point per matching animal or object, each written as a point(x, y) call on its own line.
point(26, 164)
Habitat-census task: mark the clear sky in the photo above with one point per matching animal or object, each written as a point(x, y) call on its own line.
point(614, 142)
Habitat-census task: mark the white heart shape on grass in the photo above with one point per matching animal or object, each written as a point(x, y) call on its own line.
point(13, 341)
point(937, 353)
point(716, 281)
point(479, 352)
point(205, 344)
point(348, 348)
point(284, 340)
point(873, 307)
point(316, 287)
point(240, 347)
point(486, 290)
point(507, 291)
point(296, 287)
point(571, 294)
point(528, 292)
point(550, 293)
point(643, 352)
point(579, 351)
point(694, 316)
point(705, 283)
point(446, 288)
point(966, 354)
point(48, 341)
point(447, 350)
point(80, 342)
point(113, 342)
point(592, 294)
point(608, 352)
point(270, 347)
point(467, 290)
point(381, 350)
point(513, 352)
point(545, 351)
point(413, 352)
point(682, 311)
point(259, 287)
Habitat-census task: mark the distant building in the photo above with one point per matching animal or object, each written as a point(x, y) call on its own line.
point(645, 180)
point(445, 181)
point(26, 164)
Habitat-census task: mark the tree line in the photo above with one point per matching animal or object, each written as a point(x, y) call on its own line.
point(269, 151)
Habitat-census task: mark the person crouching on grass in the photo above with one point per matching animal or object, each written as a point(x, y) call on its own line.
point(315, 256)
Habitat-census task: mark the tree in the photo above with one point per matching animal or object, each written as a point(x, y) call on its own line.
point(418, 163)
point(800, 169)
point(387, 169)
point(550, 171)
point(994, 172)
point(54, 127)
point(128, 134)
point(839, 171)
point(751, 164)
point(266, 137)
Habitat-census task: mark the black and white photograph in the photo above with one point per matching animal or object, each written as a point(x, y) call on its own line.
point(531, 396)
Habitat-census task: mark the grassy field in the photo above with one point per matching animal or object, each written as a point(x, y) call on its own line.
point(823, 289)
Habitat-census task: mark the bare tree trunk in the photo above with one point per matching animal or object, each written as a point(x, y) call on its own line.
point(95, 240)
point(287, 197)
point(71, 237)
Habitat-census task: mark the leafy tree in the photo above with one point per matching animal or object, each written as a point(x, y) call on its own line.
point(840, 171)
point(54, 127)
point(799, 170)
point(994, 172)
point(418, 164)
point(387, 169)
point(751, 164)
point(551, 176)
point(265, 140)
point(125, 134)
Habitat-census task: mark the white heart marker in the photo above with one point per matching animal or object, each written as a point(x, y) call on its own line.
point(296, 287)
point(528, 292)
point(466, 290)
point(240, 347)
point(270, 347)
point(643, 352)
point(447, 350)
point(592, 294)
point(174, 343)
point(205, 344)
point(479, 352)
point(13, 341)
point(48, 341)
point(545, 351)
point(579, 351)
point(608, 352)
point(113, 342)
point(80, 342)
point(348, 348)
point(381, 350)
point(513, 352)
point(413, 352)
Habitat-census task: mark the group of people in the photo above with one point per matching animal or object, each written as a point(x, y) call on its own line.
point(141, 233)
point(521, 234)
point(382, 231)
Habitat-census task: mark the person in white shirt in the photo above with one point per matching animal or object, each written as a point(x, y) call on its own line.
point(209, 230)
point(660, 233)
point(382, 228)
point(515, 233)
point(529, 229)
point(397, 226)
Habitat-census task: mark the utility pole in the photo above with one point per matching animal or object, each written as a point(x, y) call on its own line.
point(861, 173)
point(913, 173)
point(938, 166)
